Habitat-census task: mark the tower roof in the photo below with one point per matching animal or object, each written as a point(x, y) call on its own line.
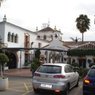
point(47, 29)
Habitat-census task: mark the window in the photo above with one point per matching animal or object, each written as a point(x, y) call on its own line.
point(38, 37)
point(44, 37)
point(56, 36)
point(39, 45)
point(68, 69)
point(91, 72)
point(9, 36)
point(50, 69)
point(12, 40)
point(16, 38)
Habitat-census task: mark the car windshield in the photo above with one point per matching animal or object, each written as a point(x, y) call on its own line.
point(49, 69)
point(91, 73)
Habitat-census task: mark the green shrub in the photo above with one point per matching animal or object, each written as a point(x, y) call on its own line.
point(3, 59)
point(82, 72)
point(35, 64)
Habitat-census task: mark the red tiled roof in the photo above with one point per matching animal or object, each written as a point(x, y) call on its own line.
point(81, 45)
point(47, 29)
point(88, 45)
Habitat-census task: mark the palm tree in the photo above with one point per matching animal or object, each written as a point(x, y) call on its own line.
point(83, 23)
point(75, 39)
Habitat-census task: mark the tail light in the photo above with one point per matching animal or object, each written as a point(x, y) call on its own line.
point(57, 90)
point(37, 74)
point(87, 80)
point(59, 76)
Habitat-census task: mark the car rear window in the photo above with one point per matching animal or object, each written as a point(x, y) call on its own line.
point(49, 69)
point(91, 73)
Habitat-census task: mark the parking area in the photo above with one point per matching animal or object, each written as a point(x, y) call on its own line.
point(18, 86)
point(19, 82)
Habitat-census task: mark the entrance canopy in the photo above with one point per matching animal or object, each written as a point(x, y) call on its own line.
point(56, 44)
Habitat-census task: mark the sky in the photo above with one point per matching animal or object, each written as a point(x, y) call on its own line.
point(30, 14)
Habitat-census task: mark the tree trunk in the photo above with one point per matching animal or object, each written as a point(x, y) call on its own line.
point(82, 37)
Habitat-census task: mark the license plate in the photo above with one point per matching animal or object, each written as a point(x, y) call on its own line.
point(46, 85)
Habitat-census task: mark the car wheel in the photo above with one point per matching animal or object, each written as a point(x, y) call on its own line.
point(77, 83)
point(36, 90)
point(67, 90)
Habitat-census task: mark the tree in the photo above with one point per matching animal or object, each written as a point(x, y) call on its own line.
point(83, 23)
point(75, 39)
point(36, 61)
point(3, 59)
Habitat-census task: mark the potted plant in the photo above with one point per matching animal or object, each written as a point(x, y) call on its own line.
point(3, 80)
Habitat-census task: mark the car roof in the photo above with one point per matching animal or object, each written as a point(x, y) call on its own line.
point(58, 64)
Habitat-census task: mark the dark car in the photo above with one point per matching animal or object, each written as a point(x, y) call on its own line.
point(89, 82)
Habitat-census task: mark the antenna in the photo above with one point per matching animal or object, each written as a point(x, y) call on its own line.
point(48, 22)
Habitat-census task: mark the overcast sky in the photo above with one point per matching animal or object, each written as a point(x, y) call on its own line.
point(60, 13)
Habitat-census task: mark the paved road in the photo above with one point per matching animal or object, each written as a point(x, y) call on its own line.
point(23, 86)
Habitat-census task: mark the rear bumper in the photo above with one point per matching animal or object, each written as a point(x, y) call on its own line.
point(49, 86)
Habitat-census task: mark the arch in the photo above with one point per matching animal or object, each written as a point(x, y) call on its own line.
point(12, 64)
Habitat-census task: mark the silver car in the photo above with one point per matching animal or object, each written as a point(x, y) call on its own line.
point(57, 77)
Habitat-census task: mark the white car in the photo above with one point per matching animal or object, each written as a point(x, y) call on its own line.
point(57, 77)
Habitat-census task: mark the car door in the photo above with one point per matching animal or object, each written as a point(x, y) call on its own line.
point(70, 75)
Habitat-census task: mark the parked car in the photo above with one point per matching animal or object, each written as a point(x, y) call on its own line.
point(57, 77)
point(89, 82)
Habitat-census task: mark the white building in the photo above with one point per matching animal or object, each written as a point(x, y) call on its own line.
point(20, 41)
point(14, 36)
point(17, 38)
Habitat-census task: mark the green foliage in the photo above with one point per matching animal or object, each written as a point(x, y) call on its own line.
point(75, 64)
point(37, 54)
point(82, 72)
point(35, 63)
point(3, 58)
point(26, 63)
point(81, 52)
point(83, 23)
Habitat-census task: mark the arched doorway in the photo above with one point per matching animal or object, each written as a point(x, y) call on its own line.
point(12, 64)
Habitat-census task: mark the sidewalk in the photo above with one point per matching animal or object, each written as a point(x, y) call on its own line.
point(18, 72)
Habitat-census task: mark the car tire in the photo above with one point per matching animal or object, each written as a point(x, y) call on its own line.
point(67, 90)
point(36, 90)
point(77, 83)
